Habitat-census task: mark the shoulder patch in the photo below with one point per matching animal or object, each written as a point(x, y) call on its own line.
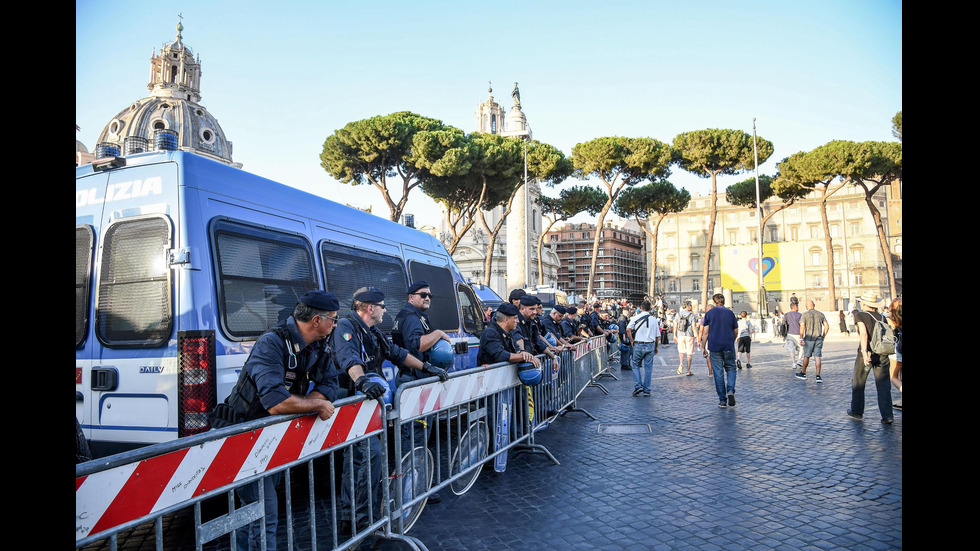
point(347, 336)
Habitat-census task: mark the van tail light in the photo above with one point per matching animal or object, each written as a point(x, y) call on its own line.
point(196, 384)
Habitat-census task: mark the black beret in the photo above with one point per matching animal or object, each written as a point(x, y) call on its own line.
point(414, 288)
point(561, 309)
point(571, 310)
point(597, 305)
point(529, 300)
point(508, 309)
point(368, 294)
point(516, 294)
point(321, 300)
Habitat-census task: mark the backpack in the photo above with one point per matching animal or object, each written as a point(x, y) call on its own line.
point(881, 338)
point(683, 323)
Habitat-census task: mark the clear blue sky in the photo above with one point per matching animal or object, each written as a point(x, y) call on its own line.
point(282, 76)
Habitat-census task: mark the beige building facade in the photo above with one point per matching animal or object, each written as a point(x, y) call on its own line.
point(859, 263)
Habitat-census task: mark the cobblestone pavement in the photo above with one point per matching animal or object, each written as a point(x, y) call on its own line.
point(785, 468)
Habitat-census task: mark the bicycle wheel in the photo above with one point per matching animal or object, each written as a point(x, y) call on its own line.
point(416, 480)
point(472, 450)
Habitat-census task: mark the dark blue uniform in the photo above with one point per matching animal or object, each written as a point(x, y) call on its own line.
point(280, 364)
point(531, 334)
point(496, 345)
point(411, 324)
point(355, 343)
point(549, 326)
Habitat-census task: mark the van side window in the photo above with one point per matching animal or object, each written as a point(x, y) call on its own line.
point(135, 304)
point(443, 313)
point(84, 243)
point(473, 322)
point(348, 269)
point(261, 275)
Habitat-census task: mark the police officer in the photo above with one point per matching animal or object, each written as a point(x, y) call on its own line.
point(533, 340)
point(496, 342)
point(569, 326)
point(288, 371)
point(552, 324)
point(413, 331)
point(361, 348)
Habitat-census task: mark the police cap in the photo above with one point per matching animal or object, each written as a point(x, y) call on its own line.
point(561, 309)
point(571, 310)
point(321, 300)
point(368, 294)
point(414, 288)
point(508, 309)
point(530, 300)
point(516, 294)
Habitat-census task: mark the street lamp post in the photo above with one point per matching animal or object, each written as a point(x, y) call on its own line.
point(758, 205)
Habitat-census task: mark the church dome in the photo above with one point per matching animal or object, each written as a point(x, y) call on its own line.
point(172, 117)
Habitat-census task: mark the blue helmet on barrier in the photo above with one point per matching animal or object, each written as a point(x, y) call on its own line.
point(551, 339)
point(386, 398)
point(529, 374)
point(441, 354)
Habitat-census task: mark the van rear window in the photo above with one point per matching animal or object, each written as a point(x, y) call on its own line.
point(135, 304)
point(84, 243)
point(348, 269)
point(444, 312)
point(261, 275)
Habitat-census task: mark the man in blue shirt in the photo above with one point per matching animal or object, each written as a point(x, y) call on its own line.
point(718, 340)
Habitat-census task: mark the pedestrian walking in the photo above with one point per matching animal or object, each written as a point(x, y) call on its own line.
point(813, 329)
point(718, 339)
point(643, 330)
point(867, 361)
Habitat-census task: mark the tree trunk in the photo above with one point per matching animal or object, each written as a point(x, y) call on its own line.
point(540, 254)
point(595, 245)
point(882, 237)
point(829, 244)
point(708, 241)
point(653, 245)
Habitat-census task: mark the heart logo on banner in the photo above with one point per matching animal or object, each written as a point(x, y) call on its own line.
point(768, 263)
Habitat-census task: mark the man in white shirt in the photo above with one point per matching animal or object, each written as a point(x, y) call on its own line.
point(643, 330)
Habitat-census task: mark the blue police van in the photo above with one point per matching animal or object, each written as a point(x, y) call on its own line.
point(181, 262)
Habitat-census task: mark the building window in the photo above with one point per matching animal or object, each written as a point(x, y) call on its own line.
point(794, 233)
point(815, 257)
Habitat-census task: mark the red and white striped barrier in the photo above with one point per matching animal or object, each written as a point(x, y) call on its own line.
point(425, 399)
point(113, 497)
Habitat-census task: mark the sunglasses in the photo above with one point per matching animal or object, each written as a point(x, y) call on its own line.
point(423, 295)
point(380, 305)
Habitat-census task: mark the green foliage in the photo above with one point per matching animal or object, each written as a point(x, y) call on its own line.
point(742, 194)
point(713, 151)
point(625, 161)
point(369, 151)
point(897, 126)
point(474, 172)
point(879, 162)
point(572, 201)
point(660, 197)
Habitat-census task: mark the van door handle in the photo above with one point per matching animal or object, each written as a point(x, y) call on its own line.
point(105, 378)
point(461, 347)
point(79, 397)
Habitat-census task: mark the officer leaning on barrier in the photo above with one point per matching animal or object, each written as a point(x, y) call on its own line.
point(361, 349)
point(496, 343)
point(413, 331)
point(288, 371)
point(532, 340)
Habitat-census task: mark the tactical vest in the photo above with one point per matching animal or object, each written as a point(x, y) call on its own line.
point(243, 403)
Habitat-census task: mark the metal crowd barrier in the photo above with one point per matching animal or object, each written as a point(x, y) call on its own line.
point(442, 435)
